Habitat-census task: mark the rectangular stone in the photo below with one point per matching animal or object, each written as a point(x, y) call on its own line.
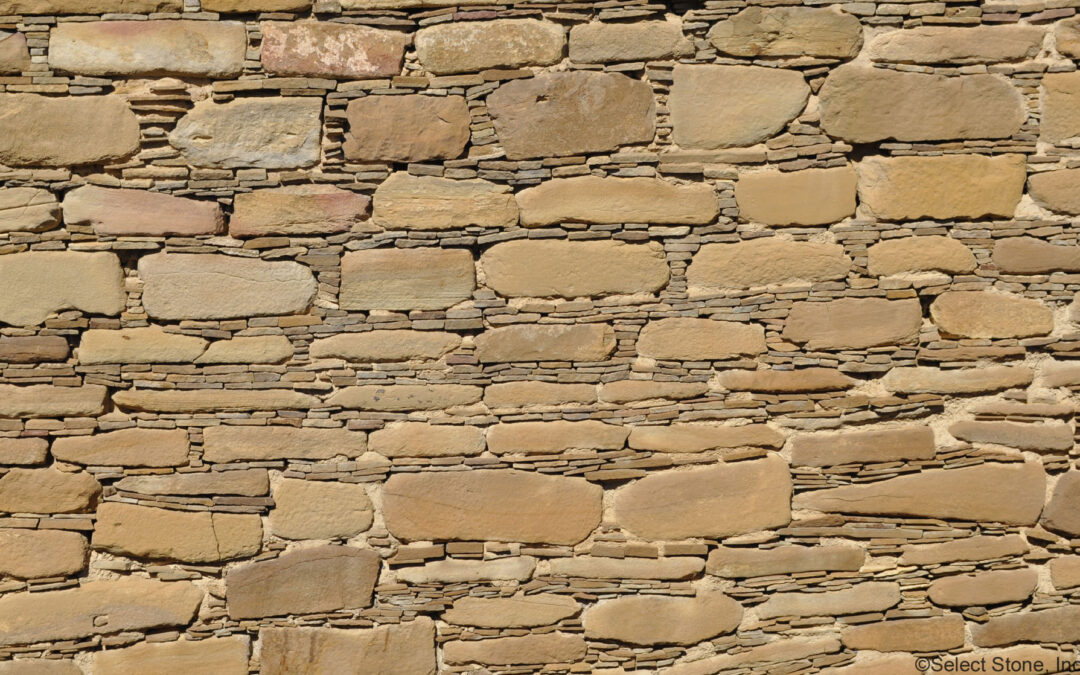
point(125, 213)
point(389, 278)
point(182, 536)
point(546, 342)
point(406, 648)
point(44, 400)
point(227, 443)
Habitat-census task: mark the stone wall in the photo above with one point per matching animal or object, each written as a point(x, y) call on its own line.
point(416, 336)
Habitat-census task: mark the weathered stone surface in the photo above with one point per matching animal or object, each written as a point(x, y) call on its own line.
point(927, 380)
point(691, 437)
point(470, 46)
point(97, 608)
point(410, 128)
point(870, 596)
point(244, 482)
point(23, 450)
point(933, 253)
point(212, 656)
point(183, 536)
point(385, 345)
point(658, 620)
point(1061, 513)
point(48, 491)
point(946, 187)
point(917, 635)
point(255, 349)
point(150, 344)
point(388, 278)
point(14, 54)
point(299, 210)
point(969, 549)
point(603, 42)
point(30, 554)
point(320, 579)
point(715, 501)
point(546, 342)
point(765, 262)
point(70, 130)
point(214, 400)
point(526, 394)
point(268, 133)
point(808, 197)
point(1061, 116)
point(859, 447)
point(969, 44)
point(149, 48)
point(33, 349)
point(872, 663)
point(30, 666)
point(628, 391)
point(969, 493)
point(784, 649)
point(405, 397)
point(1038, 437)
point(38, 283)
point(537, 438)
point(1067, 37)
point(570, 113)
point(716, 106)
point(591, 199)
point(862, 104)
point(788, 31)
point(308, 509)
point(190, 286)
point(419, 439)
point(239, 443)
point(1065, 571)
point(126, 213)
point(687, 339)
point(250, 6)
point(517, 611)
point(1036, 659)
point(1056, 190)
point(1059, 374)
point(407, 202)
point(984, 588)
point(397, 649)
point(990, 314)
point(629, 568)
point(25, 209)
point(534, 648)
point(92, 6)
point(126, 447)
point(456, 571)
point(786, 381)
point(570, 269)
point(499, 505)
point(44, 400)
point(742, 563)
point(1059, 625)
point(853, 323)
point(328, 49)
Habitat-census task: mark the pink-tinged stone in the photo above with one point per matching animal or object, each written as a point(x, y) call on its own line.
point(410, 128)
point(326, 49)
point(139, 212)
point(14, 55)
point(300, 210)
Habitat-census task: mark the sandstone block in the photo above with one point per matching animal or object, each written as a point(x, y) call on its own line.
point(1038, 437)
point(538, 438)
point(927, 380)
point(14, 54)
point(407, 202)
point(327, 49)
point(30, 554)
point(65, 131)
point(971, 548)
point(239, 443)
point(38, 283)
point(687, 339)
point(786, 381)
point(859, 447)
point(504, 651)
point(808, 197)
point(917, 635)
point(931, 253)
point(126, 447)
point(603, 42)
point(308, 509)
point(405, 648)
point(1051, 659)
point(214, 400)
point(691, 437)
point(765, 262)
point(1060, 95)
point(546, 342)
point(183, 536)
point(742, 563)
point(125, 213)
point(256, 349)
point(44, 400)
point(1065, 571)
point(984, 588)
point(871, 663)
point(1067, 37)
point(517, 611)
point(788, 31)
point(786, 649)
point(48, 491)
point(471, 46)
point(405, 397)
point(628, 391)
point(853, 323)
point(1059, 625)
point(244, 482)
point(23, 450)
point(250, 6)
point(870, 596)
point(527, 394)
point(456, 571)
point(1059, 374)
point(92, 6)
point(389, 278)
point(988, 314)
point(385, 345)
point(629, 568)
point(657, 620)
point(25, 209)
point(591, 199)
point(212, 656)
point(1061, 513)
point(33, 349)
point(410, 128)
point(418, 439)
point(1056, 190)
point(946, 44)
point(138, 345)
point(299, 210)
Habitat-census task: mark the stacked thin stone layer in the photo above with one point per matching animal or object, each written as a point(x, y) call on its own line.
point(414, 336)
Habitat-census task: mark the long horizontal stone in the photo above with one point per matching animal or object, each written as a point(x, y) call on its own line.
point(45, 400)
point(150, 344)
point(691, 437)
point(659, 620)
point(546, 342)
point(984, 588)
point(471, 46)
point(48, 491)
point(419, 439)
point(612, 42)
point(127, 447)
point(1059, 625)
point(742, 563)
point(211, 656)
point(931, 634)
point(629, 391)
point(456, 571)
point(406, 278)
point(931, 253)
point(777, 651)
point(853, 323)
point(537, 438)
point(870, 596)
point(30, 554)
point(25, 209)
point(183, 536)
point(253, 349)
point(243, 482)
point(989, 314)
point(764, 262)
point(591, 199)
point(786, 381)
point(92, 6)
point(1038, 437)
point(214, 400)
point(405, 397)
point(788, 31)
point(913, 442)
point(385, 345)
point(407, 202)
point(226, 443)
point(587, 567)
point(1027, 255)
point(687, 339)
point(33, 349)
point(808, 197)
point(979, 547)
point(126, 213)
point(407, 647)
point(299, 210)
point(928, 380)
point(81, 130)
point(38, 283)
point(517, 611)
point(330, 49)
point(526, 394)
point(963, 45)
point(538, 648)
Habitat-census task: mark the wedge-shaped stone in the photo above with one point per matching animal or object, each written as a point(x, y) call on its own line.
point(24, 209)
point(320, 579)
point(410, 128)
point(716, 106)
point(1056, 190)
point(398, 649)
point(808, 197)
point(870, 596)
point(628, 391)
point(546, 342)
point(471, 46)
point(1037, 437)
point(627, 568)
point(777, 651)
point(48, 491)
point(951, 186)
point(742, 563)
point(685, 339)
point(931, 253)
point(214, 400)
point(138, 345)
point(33, 349)
point(989, 314)
point(765, 262)
point(328, 49)
point(419, 439)
point(255, 349)
point(215, 286)
point(126, 447)
point(863, 104)
point(149, 48)
point(916, 635)
point(702, 437)
point(385, 345)
point(895, 444)
point(309, 509)
point(611, 42)
point(537, 438)
point(405, 397)
point(927, 380)
point(23, 450)
point(38, 283)
point(526, 394)
point(786, 381)
point(92, 6)
point(659, 620)
point(456, 571)
point(499, 505)
point(125, 213)
point(1065, 571)
point(65, 131)
point(407, 202)
point(538, 648)
point(556, 268)
point(1061, 116)
point(853, 323)
point(984, 588)
point(946, 44)
point(45, 400)
point(268, 133)
point(570, 113)
point(788, 31)
point(183, 536)
point(299, 210)
point(97, 608)
point(212, 656)
point(244, 482)
point(517, 611)
point(30, 554)
point(1059, 625)
point(390, 278)
point(14, 53)
point(1061, 513)
point(969, 493)
point(591, 199)
point(715, 501)
point(969, 549)
point(239, 443)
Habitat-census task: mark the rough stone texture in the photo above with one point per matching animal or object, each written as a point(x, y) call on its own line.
point(537, 648)
point(266, 349)
point(249, 6)
point(47, 131)
point(456, 571)
point(468, 46)
point(43, 400)
point(325, 49)
point(931, 253)
point(589, 199)
point(552, 342)
point(740, 563)
point(871, 596)
point(15, 451)
point(703, 437)
point(14, 54)
point(409, 128)
point(537, 438)
point(1065, 572)
point(1060, 625)
point(126, 447)
point(30, 554)
point(985, 588)
point(418, 439)
point(406, 279)
point(946, 44)
point(1067, 37)
point(924, 379)
point(245, 482)
point(39, 283)
point(27, 209)
point(788, 31)
point(853, 323)
point(299, 210)
point(212, 656)
point(1056, 190)
point(33, 349)
point(228, 400)
point(916, 635)
point(1060, 514)
point(527, 394)
point(400, 397)
point(765, 262)
point(183, 536)
point(397, 649)
point(851, 447)
point(1060, 94)
point(126, 213)
point(810, 197)
point(407, 202)
point(603, 42)
point(138, 345)
point(983, 314)
point(48, 491)
point(972, 548)
point(631, 568)
point(786, 381)
point(627, 391)
point(657, 620)
point(93, 6)
point(518, 611)
point(385, 345)
point(1038, 437)
point(698, 339)
point(319, 510)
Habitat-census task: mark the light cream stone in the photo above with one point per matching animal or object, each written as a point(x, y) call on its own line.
point(457, 571)
point(419, 439)
point(788, 31)
point(964, 45)
point(299, 210)
point(658, 620)
point(397, 649)
point(330, 49)
point(133, 447)
point(928, 380)
point(933, 253)
point(629, 391)
point(214, 400)
point(587, 567)
point(984, 588)
point(405, 397)
point(212, 656)
point(538, 438)
point(604, 42)
point(32, 554)
point(38, 283)
point(227, 443)
point(808, 197)
point(385, 345)
point(968, 549)
point(125, 213)
point(527, 394)
point(44, 400)
point(243, 482)
point(853, 323)
point(765, 261)
point(183, 536)
point(23, 450)
point(686, 339)
point(1059, 625)
point(516, 611)
point(591, 199)
point(786, 381)
point(1056, 190)
point(546, 342)
point(138, 345)
point(1060, 96)
point(388, 278)
point(65, 131)
point(1045, 437)
point(471, 46)
point(503, 651)
point(914, 442)
point(407, 202)
point(308, 509)
point(410, 128)
point(697, 437)
point(25, 209)
point(742, 563)
point(931, 634)
point(255, 349)
point(989, 314)
point(48, 491)
point(870, 596)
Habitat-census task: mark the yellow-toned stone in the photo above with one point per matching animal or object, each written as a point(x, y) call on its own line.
point(591, 199)
point(688, 339)
point(419, 439)
point(309, 509)
point(989, 314)
point(933, 253)
point(546, 342)
point(537, 438)
point(808, 197)
point(765, 262)
point(183, 536)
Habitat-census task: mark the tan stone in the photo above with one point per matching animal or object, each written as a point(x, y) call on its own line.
point(1067, 37)
point(714, 501)
point(409, 128)
point(33, 349)
point(14, 54)
point(526, 394)
point(1061, 116)
point(968, 493)
point(299, 210)
point(471, 46)
point(591, 199)
point(1061, 513)
point(407, 202)
point(138, 345)
point(917, 635)
point(1058, 625)
point(256, 349)
point(629, 568)
point(501, 505)
point(715, 106)
point(385, 345)
point(658, 620)
point(604, 42)
point(546, 342)
point(853, 323)
point(306, 509)
point(782, 649)
point(570, 113)
point(969, 44)
point(405, 397)
point(38, 283)
point(388, 278)
point(304, 581)
point(329, 49)
point(691, 437)
point(857, 447)
point(65, 131)
point(1027, 255)
point(244, 482)
point(44, 400)
point(968, 549)
point(538, 438)
point(951, 186)
point(503, 651)
point(48, 491)
point(989, 314)
point(456, 571)
point(419, 439)
point(97, 608)
point(1038, 437)
point(268, 133)
point(517, 611)
point(239, 443)
point(23, 450)
point(742, 563)
point(214, 400)
point(984, 588)
point(870, 596)
point(931, 253)
point(1059, 374)
point(1056, 190)
point(687, 339)
point(808, 197)
point(871, 663)
point(1065, 571)
point(30, 554)
point(31, 666)
point(250, 6)
point(927, 380)
point(126, 447)
point(212, 656)
point(1035, 659)
point(571, 269)
point(25, 209)
point(397, 649)
point(765, 262)
point(788, 31)
point(786, 381)
point(863, 104)
point(139, 212)
point(183, 536)
point(628, 391)
point(92, 6)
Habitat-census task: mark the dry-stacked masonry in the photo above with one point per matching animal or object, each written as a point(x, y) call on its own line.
point(404, 336)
